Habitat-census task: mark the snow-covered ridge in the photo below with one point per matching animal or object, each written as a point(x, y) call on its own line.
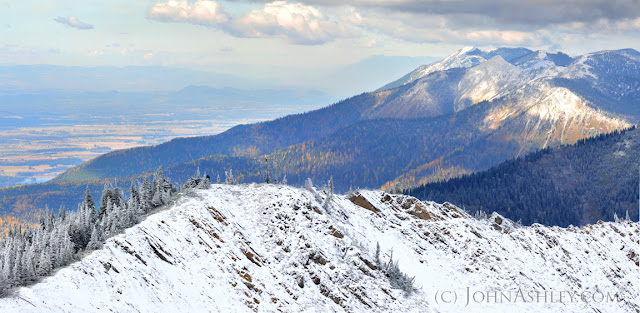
point(268, 248)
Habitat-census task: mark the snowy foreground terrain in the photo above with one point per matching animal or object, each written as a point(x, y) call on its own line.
point(268, 248)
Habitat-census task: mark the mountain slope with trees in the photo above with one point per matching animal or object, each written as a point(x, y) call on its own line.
point(594, 179)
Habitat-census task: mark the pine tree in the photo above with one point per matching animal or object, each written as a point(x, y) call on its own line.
point(17, 266)
point(29, 263)
point(65, 254)
point(205, 183)
point(166, 191)
point(146, 194)
point(135, 201)
point(118, 197)
point(107, 195)
point(158, 177)
point(229, 179)
point(44, 264)
point(156, 201)
point(627, 218)
point(4, 285)
point(88, 200)
point(96, 239)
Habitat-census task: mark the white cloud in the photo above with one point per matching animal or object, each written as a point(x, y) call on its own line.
point(201, 12)
point(73, 21)
point(294, 22)
point(298, 23)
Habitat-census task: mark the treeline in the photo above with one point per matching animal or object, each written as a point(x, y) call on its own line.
point(595, 179)
point(61, 238)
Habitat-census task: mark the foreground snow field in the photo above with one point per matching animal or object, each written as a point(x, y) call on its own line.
point(269, 248)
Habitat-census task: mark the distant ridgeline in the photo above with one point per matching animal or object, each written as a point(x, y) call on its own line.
point(595, 179)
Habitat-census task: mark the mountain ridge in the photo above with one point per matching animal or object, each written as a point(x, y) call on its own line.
point(271, 247)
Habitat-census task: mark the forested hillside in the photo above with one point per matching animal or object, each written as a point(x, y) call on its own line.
point(243, 140)
point(595, 179)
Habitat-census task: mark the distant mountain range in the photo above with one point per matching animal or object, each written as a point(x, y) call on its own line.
point(466, 113)
point(594, 179)
point(339, 81)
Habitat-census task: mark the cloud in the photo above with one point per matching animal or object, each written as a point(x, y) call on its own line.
point(295, 22)
point(524, 12)
point(201, 12)
point(534, 23)
point(298, 23)
point(439, 29)
point(73, 21)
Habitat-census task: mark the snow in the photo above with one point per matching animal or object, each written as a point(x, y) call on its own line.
point(579, 69)
point(459, 59)
point(487, 81)
point(243, 248)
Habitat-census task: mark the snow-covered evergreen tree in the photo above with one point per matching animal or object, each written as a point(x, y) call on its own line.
point(205, 182)
point(146, 194)
point(627, 218)
point(96, 240)
point(45, 264)
point(27, 255)
point(228, 177)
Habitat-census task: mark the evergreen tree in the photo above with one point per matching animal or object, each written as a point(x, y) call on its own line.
point(107, 195)
point(205, 183)
point(96, 239)
point(4, 285)
point(44, 264)
point(146, 194)
point(27, 255)
point(88, 200)
point(627, 218)
point(229, 179)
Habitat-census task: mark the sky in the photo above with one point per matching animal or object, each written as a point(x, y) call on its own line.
point(262, 36)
